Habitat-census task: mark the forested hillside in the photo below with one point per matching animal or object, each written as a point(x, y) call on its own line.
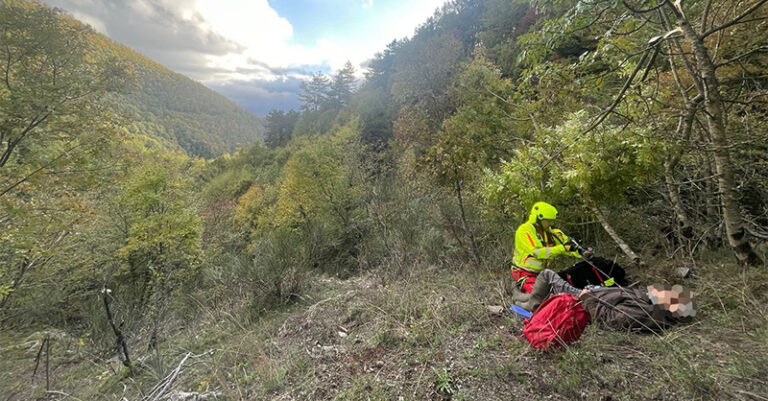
point(173, 107)
point(353, 253)
point(163, 104)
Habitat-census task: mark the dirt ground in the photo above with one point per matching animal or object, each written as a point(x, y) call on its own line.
point(427, 337)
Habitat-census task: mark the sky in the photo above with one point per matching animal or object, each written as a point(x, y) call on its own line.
point(256, 52)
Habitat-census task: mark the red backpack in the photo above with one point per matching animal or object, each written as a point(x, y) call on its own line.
point(558, 321)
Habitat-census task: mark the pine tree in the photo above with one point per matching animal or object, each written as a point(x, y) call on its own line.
point(315, 95)
point(279, 127)
point(342, 87)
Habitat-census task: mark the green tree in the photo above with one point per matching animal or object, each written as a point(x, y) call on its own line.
point(342, 88)
point(163, 230)
point(686, 52)
point(50, 90)
point(279, 125)
point(375, 117)
point(502, 23)
point(424, 74)
point(593, 170)
point(315, 93)
point(319, 179)
point(476, 136)
point(56, 134)
point(160, 235)
point(321, 197)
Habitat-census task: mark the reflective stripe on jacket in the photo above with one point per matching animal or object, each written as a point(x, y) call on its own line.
point(534, 249)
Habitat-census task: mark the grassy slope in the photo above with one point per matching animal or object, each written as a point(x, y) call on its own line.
point(425, 337)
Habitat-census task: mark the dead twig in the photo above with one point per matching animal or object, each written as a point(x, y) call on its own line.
point(63, 394)
point(751, 394)
point(161, 388)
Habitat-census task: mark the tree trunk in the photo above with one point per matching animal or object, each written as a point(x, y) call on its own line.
point(620, 242)
point(467, 229)
point(684, 128)
point(734, 224)
point(710, 186)
point(25, 265)
point(120, 344)
point(684, 223)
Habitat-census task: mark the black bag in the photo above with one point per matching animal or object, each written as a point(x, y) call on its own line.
point(582, 274)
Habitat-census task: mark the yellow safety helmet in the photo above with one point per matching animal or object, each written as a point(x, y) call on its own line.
point(543, 211)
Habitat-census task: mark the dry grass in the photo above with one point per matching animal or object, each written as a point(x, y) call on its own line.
point(429, 336)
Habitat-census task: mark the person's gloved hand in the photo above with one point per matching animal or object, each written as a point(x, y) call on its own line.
point(588, 253)
point(570, 245)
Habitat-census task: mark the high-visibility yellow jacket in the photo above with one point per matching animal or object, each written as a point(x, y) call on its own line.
point(535, 247)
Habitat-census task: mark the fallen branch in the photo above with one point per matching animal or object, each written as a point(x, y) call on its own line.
point(166, 383)
point(612, 233)
point(62, 393)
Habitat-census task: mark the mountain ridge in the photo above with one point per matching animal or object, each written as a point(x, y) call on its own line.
point(182, 111)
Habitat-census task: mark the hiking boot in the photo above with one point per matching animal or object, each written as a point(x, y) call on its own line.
point(535, 298)
point(520, 296)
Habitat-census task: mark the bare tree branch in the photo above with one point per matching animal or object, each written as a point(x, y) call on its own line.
point(735, 20)
point(705, 15)
point(641, 11)
point(511, 117)
point(650, 63)
point(688, 66)
point(12, 143)
point(43, 167)
point(599, 120)
point(761, 49)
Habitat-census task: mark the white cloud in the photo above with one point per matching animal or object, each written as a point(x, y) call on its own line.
point(253, 24)
point(361, 47)
point(142, 7)
point(264, 35)
point(407, 22)
point(221, 41)
point(94, 22)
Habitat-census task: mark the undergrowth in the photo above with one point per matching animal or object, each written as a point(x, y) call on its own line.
point(427, 335)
